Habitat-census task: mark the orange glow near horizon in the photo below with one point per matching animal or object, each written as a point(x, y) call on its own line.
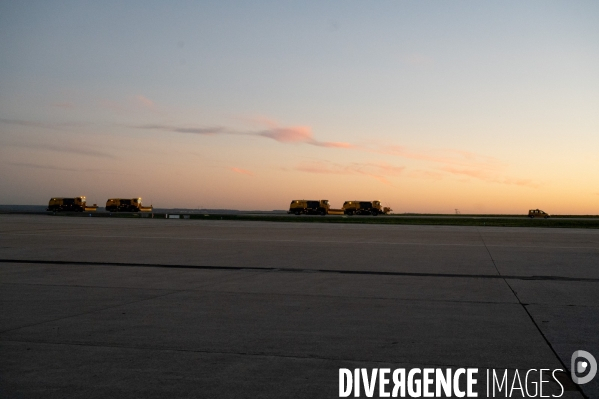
point(427, 111)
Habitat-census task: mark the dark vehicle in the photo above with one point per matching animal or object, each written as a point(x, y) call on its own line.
point(309, 207)
point(537, 213)
point(76, 204)
point(373, 208)
point(126, 205)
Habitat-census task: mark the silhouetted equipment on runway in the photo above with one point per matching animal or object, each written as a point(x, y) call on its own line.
point(373, 208)
point(322, 207)
point(309, 207)
point(75, 204)
point(126, 205)
point(537, 213)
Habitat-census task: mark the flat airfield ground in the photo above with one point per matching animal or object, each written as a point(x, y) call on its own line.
point(104, 307)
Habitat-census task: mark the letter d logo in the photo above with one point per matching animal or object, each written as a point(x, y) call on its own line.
point(579, 366)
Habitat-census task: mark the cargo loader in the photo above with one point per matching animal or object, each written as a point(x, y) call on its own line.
point(309, 207)
point(373, 208)
point(127, 205)
point(75, 204)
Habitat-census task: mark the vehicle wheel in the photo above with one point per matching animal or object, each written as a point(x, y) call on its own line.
point(322, 213)
point(375, 212)
point(296, 213)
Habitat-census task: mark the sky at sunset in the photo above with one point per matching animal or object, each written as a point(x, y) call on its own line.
point(428, 106)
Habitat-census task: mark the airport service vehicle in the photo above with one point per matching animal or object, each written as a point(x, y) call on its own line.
point(76, 204)
point(373, 208)
point(309, 207)
point(537, 213)
point(126, 205)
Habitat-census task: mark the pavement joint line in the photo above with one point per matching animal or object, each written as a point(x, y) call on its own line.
point(152, 348)
point(303, 241)
point(524, 306)
point(364, 297)
point(91, 286)
point(199, 289)
point(171, 292)
point(296, 270)
point(91, 311)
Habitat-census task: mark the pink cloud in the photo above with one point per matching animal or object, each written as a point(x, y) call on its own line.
point(145, 101)
point(323, 168)
point(242, 171)
point(476, 173)
point(490, 177)
point(333, 144)
point(520, 182)
point(133, 104)
point(426, 174)
point(448, 157)
point(450, 161)
point(261, 121)
point(298, 134)
point(378, 171)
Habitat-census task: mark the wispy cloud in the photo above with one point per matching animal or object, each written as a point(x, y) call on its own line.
point(299, 134)
point(476, 173)
point(519, 182)
point(134, 104)
point(425, 174)
point(44, 125)
point(303, 135)
point(489, 177)
point(242, 171)
point(67, 148)
point(62, 169)
point(281, 134)
point(449, 162)
point(146, 102)
point(189, 130)
point(378, 171)
point(440, 156)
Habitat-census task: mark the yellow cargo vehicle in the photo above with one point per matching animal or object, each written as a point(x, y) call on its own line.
point(309, 207)
point(126, 205)
point(537, 213)
point(76, 204)
point(373, 208)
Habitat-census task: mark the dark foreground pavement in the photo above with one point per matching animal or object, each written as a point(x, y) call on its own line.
point(183, 308)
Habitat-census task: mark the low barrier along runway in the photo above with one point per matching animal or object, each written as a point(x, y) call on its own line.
point(101, 307)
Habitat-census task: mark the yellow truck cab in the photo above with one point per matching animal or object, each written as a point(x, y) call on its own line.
point(76, 204)
point(126, 205)
point(537, 213)
point(373, 208)
point(309, 207)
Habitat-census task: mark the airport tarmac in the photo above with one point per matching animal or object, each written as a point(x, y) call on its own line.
point(101, 307)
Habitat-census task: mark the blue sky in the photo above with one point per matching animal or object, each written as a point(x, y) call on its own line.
point(490, 105)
